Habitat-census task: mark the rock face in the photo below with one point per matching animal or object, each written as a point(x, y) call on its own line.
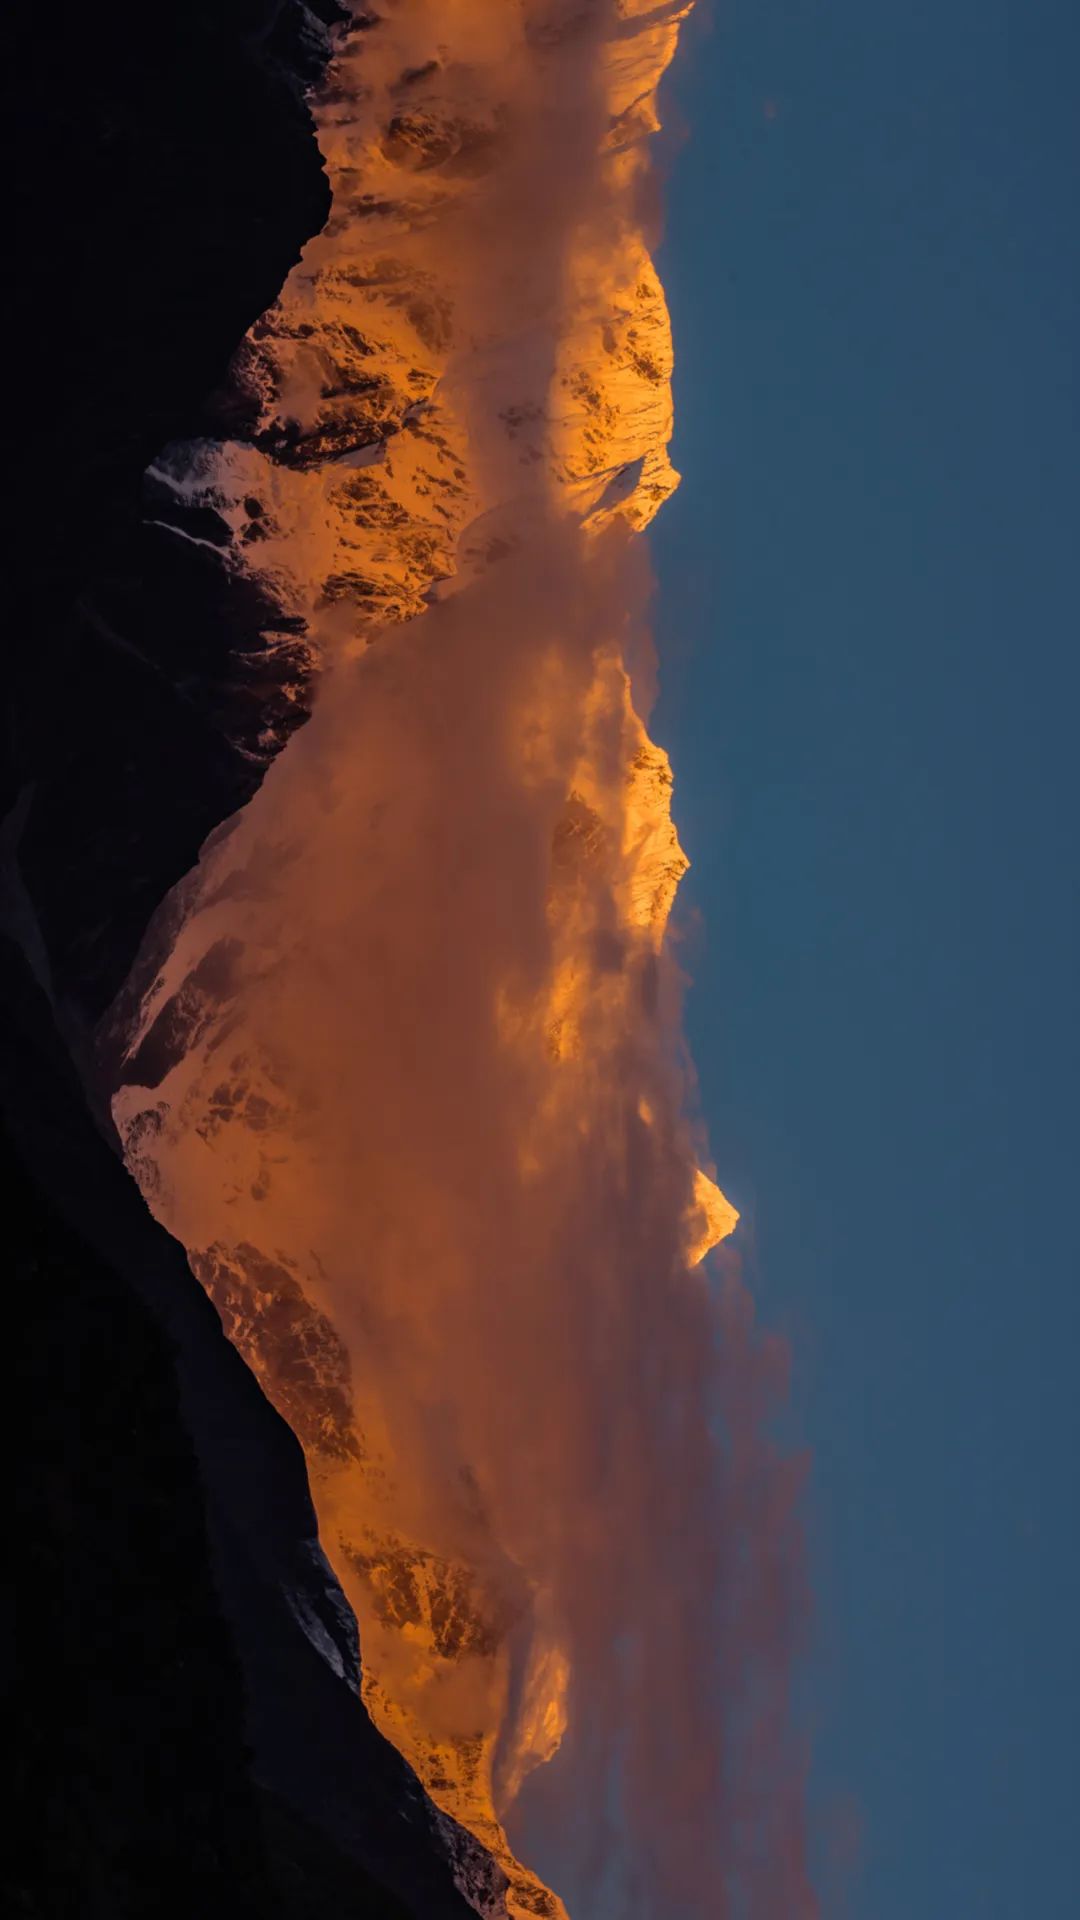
point(185, 1713)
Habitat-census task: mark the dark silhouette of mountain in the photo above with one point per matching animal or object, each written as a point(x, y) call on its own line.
point(184, 1707)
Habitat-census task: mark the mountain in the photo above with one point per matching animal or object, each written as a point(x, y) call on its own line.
point(364, 459)
point(183, 1702)
point(273, 423)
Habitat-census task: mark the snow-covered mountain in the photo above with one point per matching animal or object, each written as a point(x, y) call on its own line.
point(435, 376)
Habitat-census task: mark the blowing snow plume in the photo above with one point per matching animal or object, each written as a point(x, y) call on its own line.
point(401, 1059)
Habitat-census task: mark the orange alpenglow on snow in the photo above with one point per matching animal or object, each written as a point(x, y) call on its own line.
point(426, 1135)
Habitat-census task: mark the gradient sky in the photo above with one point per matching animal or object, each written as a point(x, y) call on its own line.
point(868, 619)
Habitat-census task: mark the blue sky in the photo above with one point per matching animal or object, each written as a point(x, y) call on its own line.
point(868, 626)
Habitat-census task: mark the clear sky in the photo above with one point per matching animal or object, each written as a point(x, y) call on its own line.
point(868, 618)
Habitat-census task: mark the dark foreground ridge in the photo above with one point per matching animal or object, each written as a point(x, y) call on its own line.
point(184, 1708)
